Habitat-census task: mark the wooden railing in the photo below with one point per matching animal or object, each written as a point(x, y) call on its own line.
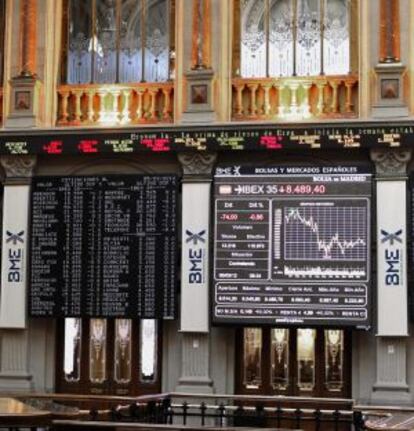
point(117, 104)
point(290, 99)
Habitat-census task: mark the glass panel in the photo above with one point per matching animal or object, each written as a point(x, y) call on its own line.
point(281, 38)
point(334, 357)
point(336, 55)
point(157, 41)
point(280, 359)
point(72, 349)
point(105, 42)
point(97, 350)
point(130, 54)
point(253, 38)
point(308, 43)
point(306, 359)
point(80, 41)
point(252, 353)
point(148, 341)
point(123, 350)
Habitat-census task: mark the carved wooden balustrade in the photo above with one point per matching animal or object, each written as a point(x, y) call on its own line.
point(295, 98)
point(94, 104)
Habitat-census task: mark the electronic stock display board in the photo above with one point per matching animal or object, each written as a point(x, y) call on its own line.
point(104, 246)
point(292, 245)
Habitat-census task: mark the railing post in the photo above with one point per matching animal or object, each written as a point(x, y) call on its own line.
point(167, 103)
point(90, 94)
point(64, 112)
point(102, 107)
point(306, 112)
point(317, 415)
point(298, 417)
point(140, 108)
point(267, 107)
point(166, 405)
point(279, 412)
point(203, 413)
point(253, 108)
point(334, 105)
point(358, 419)
point(125, 117)
point(185, 408)
point(348, 101)
point(320, 105)
point(239, 100)
point(78, 111)
point(222, 413)
point(336, 416)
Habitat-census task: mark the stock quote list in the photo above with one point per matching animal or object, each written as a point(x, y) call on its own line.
point(104, 246)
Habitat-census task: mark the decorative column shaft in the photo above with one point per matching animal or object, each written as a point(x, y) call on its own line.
point(195, 242)
point(28, 37)
point(392, 297)
point(390, 31)
point(201, 43)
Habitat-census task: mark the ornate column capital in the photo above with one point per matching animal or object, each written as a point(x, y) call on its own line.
point(18, 169)
point(197, 166)
point(391, 164)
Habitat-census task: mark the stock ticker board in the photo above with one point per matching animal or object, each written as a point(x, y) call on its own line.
point(104, 246)
point(292, 245)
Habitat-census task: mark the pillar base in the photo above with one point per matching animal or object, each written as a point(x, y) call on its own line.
point(391, 394)
point(16, 382)
point(389, 92)
point(199, 107)
point(201, 385)
point(25, 103)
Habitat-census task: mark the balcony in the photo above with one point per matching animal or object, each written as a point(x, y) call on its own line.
point(117, 104)
point(293, 99)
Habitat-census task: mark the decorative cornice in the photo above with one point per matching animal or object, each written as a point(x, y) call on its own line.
point(391, 163)
point(18, 168)
point(197, 164)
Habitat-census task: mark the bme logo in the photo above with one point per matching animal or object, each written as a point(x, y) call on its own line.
point(392, 257)
point(196, 255)
point(15, 256)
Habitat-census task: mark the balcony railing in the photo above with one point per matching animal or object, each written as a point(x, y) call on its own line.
point(290, 99)
point(117, 104)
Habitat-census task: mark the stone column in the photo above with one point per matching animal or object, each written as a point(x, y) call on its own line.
point(194, 325)
point(390, 101)
point(25, 88)
point(392, 301)
point(389, 31)
point(28, 37)
point(200, 103)
point(14, 338)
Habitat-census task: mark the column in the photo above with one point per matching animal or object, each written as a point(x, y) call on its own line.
point(390, 100)
point(14, 360)
point(25, 88)
point(389, 31)
point(200, 103)
point(28, 37)
point(195, 240)
point(392, 301)
point(201, 44)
